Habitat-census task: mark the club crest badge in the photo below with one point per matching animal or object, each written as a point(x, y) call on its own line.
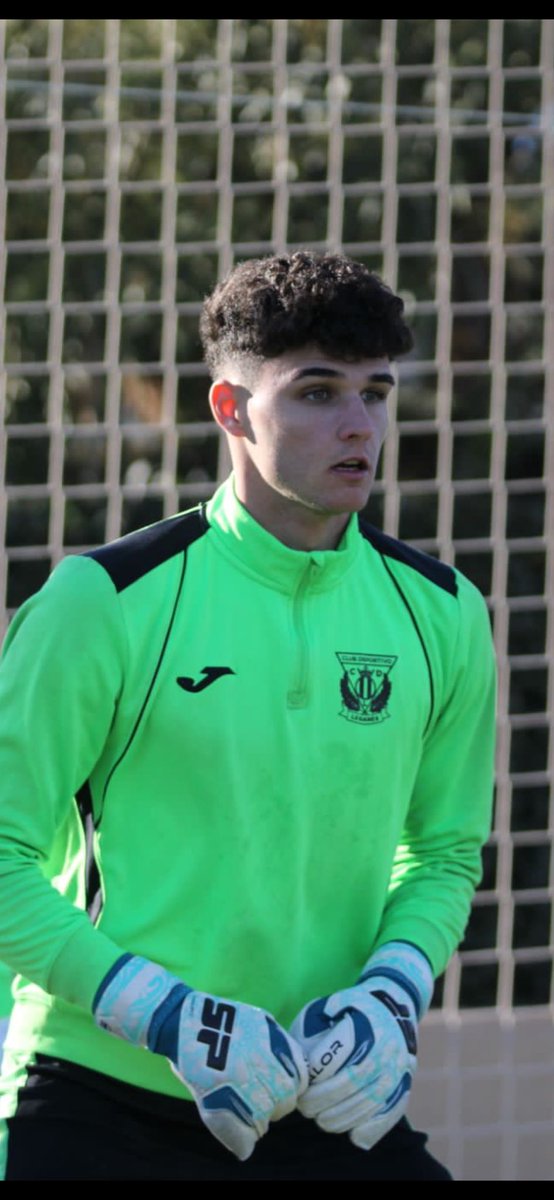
point(365, 687)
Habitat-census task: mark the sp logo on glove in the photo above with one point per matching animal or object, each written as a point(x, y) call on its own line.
point(216, 1033)
point(242, 1068)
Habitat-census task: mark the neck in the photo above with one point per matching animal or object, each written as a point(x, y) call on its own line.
point(293, 524)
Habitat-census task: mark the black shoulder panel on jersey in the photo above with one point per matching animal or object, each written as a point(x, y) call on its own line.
point(132, 556)
point(439, 573)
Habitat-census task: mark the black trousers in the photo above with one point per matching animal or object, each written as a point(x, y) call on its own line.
point(73, 1123)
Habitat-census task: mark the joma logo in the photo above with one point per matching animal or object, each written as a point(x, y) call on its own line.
point(216, 1035)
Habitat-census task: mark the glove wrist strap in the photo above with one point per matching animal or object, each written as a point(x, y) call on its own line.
point(135, 1000)
point(408, 967)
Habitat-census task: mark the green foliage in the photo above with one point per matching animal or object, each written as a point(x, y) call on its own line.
point(415, 42)
point(468, 42)
point(274, 139)
point(84, 38)
point(361, 41)
point(27, 39)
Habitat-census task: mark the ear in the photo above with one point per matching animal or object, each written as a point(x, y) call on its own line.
point(225, 405)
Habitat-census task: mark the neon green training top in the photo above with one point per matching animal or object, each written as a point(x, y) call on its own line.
point(286, 756)
point(5, 992)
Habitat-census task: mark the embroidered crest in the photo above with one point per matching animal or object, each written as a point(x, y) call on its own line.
point(365, 686)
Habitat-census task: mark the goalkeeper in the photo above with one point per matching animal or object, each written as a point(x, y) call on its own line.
point(246, 763)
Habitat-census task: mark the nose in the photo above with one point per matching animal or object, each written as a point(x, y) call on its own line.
point(358, 418)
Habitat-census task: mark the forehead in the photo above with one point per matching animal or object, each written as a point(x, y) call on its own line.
point(310, 361)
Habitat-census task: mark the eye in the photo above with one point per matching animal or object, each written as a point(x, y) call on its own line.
point(371, 395)
point(319, 394)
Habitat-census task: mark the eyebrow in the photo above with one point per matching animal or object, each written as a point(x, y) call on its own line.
point(329, 373)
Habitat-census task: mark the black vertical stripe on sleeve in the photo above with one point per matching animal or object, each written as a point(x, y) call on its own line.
point(407, 604)
point(154, 676)
point(93, 884)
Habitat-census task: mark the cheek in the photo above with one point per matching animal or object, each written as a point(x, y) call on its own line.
point(291, 438)
point(382, 426)
point(274, 453)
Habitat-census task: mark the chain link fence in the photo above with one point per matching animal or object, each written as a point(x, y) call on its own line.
point(142, 159)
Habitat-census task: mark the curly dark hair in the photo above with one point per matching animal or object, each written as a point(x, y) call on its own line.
point(268, 306)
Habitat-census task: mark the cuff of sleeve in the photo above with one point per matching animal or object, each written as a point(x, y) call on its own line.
point(82, 965)
point(421, 933)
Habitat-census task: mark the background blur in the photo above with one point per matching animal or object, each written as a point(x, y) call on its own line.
point(142, 159)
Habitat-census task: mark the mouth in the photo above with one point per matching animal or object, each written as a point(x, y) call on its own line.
point(356, 467)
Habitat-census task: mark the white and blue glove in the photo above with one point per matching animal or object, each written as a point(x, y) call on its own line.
point(361, 1045)
point(241, 1067)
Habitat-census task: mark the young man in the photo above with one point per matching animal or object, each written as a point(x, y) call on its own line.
point(277, 726)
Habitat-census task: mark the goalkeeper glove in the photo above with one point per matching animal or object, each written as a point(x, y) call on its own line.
point(361, 1045)
point(241, 1067)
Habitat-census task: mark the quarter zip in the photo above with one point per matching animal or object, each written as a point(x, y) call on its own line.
point(297, 695)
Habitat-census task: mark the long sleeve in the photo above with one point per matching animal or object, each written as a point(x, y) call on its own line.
point(60, 677)
point(438, 861)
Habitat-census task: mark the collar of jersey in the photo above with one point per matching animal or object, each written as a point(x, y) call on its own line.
point(260, 554)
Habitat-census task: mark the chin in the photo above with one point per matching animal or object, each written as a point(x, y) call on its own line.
point(344, 509)
point(352, 503)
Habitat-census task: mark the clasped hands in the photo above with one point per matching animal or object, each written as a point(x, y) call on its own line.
point(347, 1062)
point(361, 1044)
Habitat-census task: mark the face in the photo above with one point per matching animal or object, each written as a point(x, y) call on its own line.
point(306, 439)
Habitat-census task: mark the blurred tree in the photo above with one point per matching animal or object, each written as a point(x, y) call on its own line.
point(256, 168)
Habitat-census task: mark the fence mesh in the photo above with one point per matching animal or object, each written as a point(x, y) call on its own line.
point(142, 159)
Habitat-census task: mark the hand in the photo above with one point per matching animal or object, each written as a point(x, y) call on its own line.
point(361, 1046)
point(241, 1067)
